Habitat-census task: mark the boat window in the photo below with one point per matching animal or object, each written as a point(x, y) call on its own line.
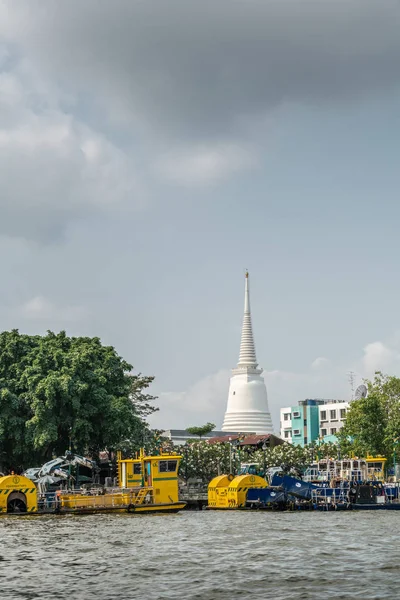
point(167, 466)
point(375, 465)
point(137, 469)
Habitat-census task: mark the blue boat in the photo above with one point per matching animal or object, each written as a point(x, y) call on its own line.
point(292, 493)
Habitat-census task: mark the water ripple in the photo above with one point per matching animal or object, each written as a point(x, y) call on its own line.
point(201, 556)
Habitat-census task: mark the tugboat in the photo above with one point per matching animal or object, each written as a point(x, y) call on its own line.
point(146, 484)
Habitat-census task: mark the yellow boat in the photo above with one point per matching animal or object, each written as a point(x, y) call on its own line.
point(146, 484)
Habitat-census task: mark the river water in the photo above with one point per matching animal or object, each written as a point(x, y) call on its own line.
point(201, 556)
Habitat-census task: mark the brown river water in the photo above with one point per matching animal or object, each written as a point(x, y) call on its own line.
point(201, 556)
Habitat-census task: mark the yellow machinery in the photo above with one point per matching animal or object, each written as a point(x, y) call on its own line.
point(227, 492)
point(18, 494)
point(146, 484)
point(218, 491)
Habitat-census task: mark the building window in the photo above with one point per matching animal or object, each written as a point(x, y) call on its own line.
point(287, 433)
point(323, 415)
point(342, 413)
point(333, 430)
point(286, 416)
point(323, 432)
point(296, 431)
point(233, 393)
point(296, 415)
point(333, 414)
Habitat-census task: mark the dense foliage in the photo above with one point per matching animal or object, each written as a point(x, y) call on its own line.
point(58, 391)
point(373, 423)
point(204, 461)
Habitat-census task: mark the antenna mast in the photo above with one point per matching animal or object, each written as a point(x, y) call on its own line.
point(351, 378)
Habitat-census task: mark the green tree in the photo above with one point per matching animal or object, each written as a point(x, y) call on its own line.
point(373, 423)
point(202, 430)
point(57, 391)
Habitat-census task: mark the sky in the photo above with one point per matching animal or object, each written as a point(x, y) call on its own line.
point(151, 151)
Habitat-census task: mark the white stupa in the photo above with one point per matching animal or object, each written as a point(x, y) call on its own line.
point(247, 408)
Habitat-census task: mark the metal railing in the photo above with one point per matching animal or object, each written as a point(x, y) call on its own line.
point(329, 498)
point(94, 500)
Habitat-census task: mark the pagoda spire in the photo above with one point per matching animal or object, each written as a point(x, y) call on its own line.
point(247, 407)
point(247, 356)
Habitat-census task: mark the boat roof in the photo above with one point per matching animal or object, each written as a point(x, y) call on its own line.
point(162, 456)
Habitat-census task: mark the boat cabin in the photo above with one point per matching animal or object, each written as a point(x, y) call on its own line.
point(158, 473)
point(376, 468)
point(327, 470)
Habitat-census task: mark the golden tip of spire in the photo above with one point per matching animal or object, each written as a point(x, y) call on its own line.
point(247, 274)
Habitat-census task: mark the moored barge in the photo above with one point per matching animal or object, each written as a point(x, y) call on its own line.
point(342, 485)
point(146, 484)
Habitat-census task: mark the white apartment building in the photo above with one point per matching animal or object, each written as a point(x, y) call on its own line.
point(332, 416)
point(312, 419)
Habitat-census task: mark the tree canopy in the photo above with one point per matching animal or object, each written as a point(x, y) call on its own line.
point(201, 430)
point(373, 423)
point(57, 391)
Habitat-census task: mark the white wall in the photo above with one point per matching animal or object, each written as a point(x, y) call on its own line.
point(286, 425)
point(330, 421)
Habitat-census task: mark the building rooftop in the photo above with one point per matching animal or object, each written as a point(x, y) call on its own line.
point(249, 440)
point(185, 433)
point(180, 436)
point(317, 402)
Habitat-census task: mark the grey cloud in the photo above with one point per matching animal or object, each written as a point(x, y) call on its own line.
point(43, 189)
point(197, 68)
point(190, 71)
point(53, 169)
